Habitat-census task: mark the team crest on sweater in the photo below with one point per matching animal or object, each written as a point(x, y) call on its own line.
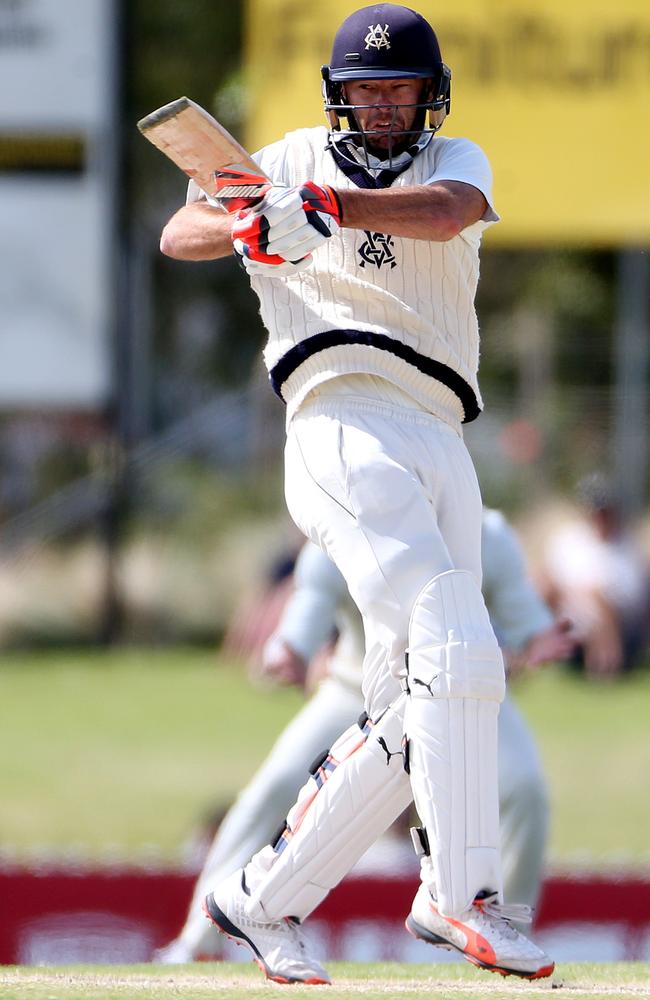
point(378, 250)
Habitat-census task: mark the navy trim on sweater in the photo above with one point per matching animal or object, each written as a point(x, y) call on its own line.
point(294, 357)
point(364, 178)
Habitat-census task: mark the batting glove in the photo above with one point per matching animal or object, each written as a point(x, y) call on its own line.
point(250, 243)
point(290, 222)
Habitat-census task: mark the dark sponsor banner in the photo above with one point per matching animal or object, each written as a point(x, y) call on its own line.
point(33, 153)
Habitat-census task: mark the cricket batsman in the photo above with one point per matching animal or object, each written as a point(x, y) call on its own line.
point(364, 256)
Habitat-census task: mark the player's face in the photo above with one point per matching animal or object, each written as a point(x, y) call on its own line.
point(384, 109)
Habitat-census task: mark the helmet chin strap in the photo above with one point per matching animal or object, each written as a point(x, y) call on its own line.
point(354, 147)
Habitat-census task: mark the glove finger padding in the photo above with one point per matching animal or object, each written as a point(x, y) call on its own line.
point(265, 265)
point(295, 244)
point(250, 232)
point(292, 238)
point(288, 225)
point(320, 215)
point(280, 203)
point(254, 228)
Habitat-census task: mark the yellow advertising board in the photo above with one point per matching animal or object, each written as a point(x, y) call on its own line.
point(557, 92)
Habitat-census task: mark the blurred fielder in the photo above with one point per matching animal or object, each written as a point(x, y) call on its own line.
point(364, 255)
point(320, 604)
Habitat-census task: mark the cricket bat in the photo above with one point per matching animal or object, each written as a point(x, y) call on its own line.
point(206, 152)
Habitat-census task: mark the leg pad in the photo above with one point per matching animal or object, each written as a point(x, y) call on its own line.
point(456, 682)
point(358, 791)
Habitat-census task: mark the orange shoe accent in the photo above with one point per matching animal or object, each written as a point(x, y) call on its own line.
point(546, 970)
point(483, 956)
point(477, 946)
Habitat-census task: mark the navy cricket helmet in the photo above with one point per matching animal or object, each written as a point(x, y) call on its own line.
point(386, 41)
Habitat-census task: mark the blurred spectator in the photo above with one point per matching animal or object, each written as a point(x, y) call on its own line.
point(259, 612)
point(596, 574)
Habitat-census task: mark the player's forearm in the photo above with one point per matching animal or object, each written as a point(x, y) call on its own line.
point(421, 213)
point(197, 232)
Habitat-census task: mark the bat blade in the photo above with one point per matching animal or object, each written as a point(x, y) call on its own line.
point(198, 144)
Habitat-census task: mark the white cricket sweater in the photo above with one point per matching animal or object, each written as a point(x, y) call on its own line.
point(393, 307)
point(389, 306)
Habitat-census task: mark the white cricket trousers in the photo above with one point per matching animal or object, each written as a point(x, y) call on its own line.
point(391, 495)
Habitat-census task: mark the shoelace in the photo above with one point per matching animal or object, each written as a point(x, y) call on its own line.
point(296, 934)
point(519, 912)
point(285, 926)
point(246, 921)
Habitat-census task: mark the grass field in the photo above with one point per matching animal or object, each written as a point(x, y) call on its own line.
point(125, 749)
point(129, 748)
point(408, 982)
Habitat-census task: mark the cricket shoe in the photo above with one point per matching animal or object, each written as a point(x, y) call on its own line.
point(279, 948)
point(483, 934)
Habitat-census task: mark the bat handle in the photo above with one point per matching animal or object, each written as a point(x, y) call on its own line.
point(236, 189)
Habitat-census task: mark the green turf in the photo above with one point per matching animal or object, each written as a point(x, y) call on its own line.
point(126, 748)
point(130, 748)
point(593, 738)
point(205, 982)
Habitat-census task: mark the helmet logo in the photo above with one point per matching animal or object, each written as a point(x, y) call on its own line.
point(377, 37)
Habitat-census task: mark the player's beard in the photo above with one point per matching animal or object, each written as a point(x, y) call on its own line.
point(398, 143)
point(394, 138)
